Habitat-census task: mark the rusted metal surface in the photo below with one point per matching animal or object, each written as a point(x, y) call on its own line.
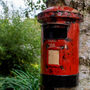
point(61, 14)
point(60, 32)
point(68, 50)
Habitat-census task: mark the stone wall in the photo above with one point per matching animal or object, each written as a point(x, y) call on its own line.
point(85, 38)
point(85, 30)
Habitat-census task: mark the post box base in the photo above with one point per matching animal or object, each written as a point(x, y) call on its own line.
point(65, 81)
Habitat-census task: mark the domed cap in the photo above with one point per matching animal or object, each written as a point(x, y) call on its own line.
point(57, 14)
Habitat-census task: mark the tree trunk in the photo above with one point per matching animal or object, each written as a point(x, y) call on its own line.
point(57, 2)
point(51, 3)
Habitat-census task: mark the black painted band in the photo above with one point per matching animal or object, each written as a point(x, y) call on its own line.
point(51, 81)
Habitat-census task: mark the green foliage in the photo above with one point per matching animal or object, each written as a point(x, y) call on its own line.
point(19, 43)
point(34, 6)
point(28, 80)
point(5, 8)
point(1, 81)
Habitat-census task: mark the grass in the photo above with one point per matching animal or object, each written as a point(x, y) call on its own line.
point(28, 80)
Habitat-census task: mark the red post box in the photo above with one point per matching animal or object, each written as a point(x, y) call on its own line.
point(59, 47)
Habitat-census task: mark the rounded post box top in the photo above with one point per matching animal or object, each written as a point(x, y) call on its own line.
point(56, 14)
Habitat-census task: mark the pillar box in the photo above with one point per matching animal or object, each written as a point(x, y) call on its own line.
point(59, 47)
